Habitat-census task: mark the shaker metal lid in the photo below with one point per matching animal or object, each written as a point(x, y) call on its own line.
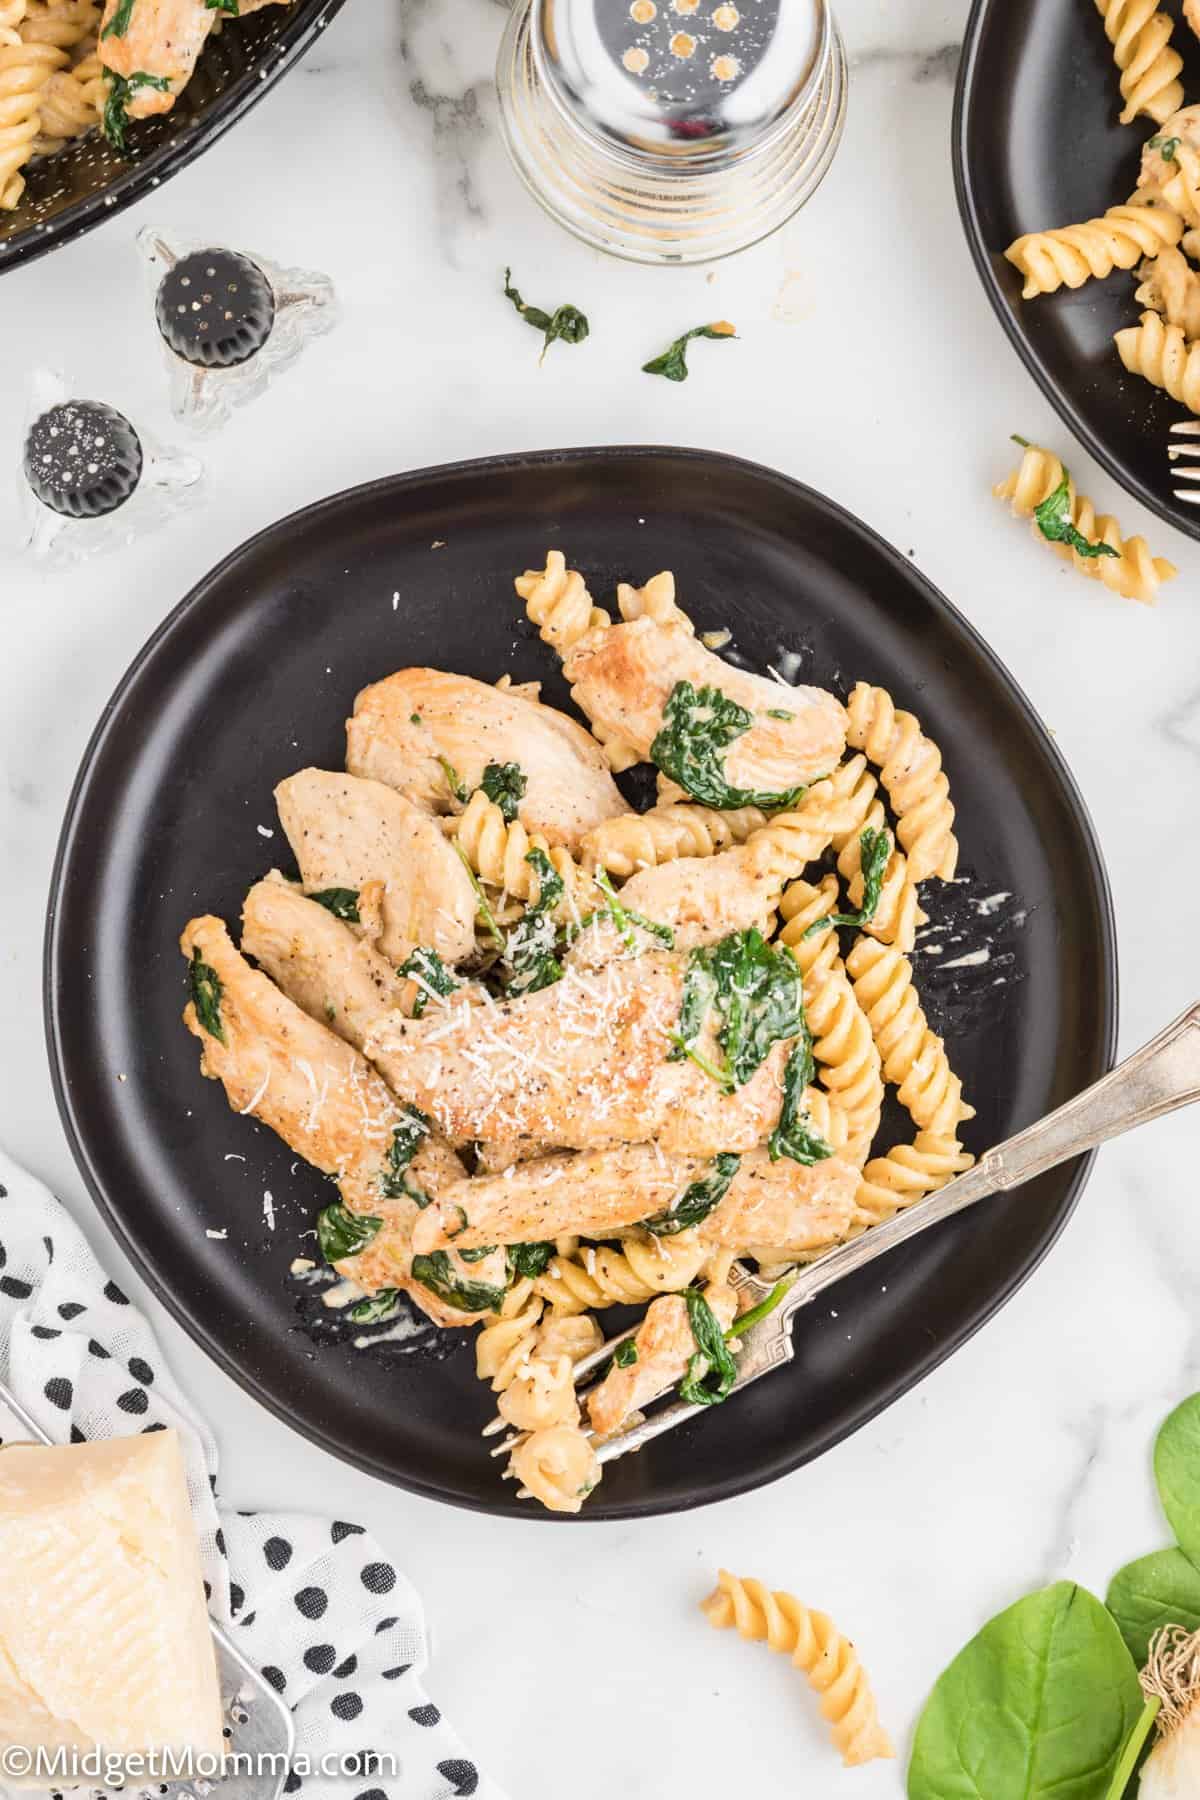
point(682, 81)
point(215, 308)
point(83, 458)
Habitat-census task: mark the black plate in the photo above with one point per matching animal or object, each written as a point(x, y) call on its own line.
point(1037, 143)
point(68, 194)
point(251, 678)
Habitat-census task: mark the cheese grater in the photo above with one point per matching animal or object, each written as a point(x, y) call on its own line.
point(257, 1723)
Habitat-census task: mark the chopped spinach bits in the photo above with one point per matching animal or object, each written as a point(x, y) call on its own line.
point(757, 993)
point(697, 1200)
point(699, 725)
point(204, 985)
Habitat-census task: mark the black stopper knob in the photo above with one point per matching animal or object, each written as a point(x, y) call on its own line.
point(215, 308)
point(83, 458)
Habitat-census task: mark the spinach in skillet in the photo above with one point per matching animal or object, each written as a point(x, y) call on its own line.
point(711, 1370)
point(115, 120)
point(341, 902)
point(395, 1182)
point(376, 1308)
point(341, 1233)
point(530, 948)
point(699, 724)
point(505, 784)
point(206, 988)
point(697, 1200)
point(757, 993)
point(437, 1273)
point(530, 1260)
point(431, 975)
point(876, 849)
point(794, 1136)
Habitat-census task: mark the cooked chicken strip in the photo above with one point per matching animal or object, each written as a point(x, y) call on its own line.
point(664, 1344)
point(599, 1193)
point(706, 898)
point(582, 1063)
point(162, 38)
point(325, 1102)
point(402, 726)
point(622, 678)
point(326, 967)
point(346, 832)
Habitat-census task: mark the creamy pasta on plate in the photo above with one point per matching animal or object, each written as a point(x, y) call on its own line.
point(557, 1054)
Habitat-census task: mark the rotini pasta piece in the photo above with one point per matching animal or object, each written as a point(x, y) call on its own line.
point(11, 14)
point(907, 1174)
point(800, 908)
point(559, 1467)
point(524, 690)
point(817, 1647)
point(63, 23)
point(617, 753)
point(496, 851)
point(910, 767)
point(1140, 36)
point(789, 841)
point(504, 1341)
point(25, 69)
point(654, 601)
point(898, 910)
point(599, 1275)
point(1170, 286)
point(1133, 572)
point(637, 841)
point(72, 103)
point(846, 1054)
point(1073, 254)
point(1161, 355)
point(558, 603)
point(914, 1060)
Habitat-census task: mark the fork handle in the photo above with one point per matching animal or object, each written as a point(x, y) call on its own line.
point(1157, 1079)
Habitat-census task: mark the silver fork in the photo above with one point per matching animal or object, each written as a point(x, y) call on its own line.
point(1157, 1079)
point(1188, 471)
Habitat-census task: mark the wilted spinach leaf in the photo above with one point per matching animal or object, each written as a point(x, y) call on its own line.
point(341, 902)
point(698, 1199)
point(505, 784)
point(437, 1273)
point(427, 969)
point(341, 1232)
point(699, 724)
point(206, 989)
point(673, 361)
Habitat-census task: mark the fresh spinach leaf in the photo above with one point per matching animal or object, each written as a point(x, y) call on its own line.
point(206, 988)
point(1157, 1590)
point(505, 784)
point(623, 917)
point(341, 1232)
point(566, 324)
point(115, 120)
point(711, 1370)
point(1053, 518)
point(224, 6)
point(755, 1314)
point(479, 1254)
point(673, 361)
point(1177, 1472)
point(395, 1183)
point(625, 1354)
point(698, 1199)
point(436, 1272)
point(376, 1307)
point(530, 1259)
point(431, 975)
point(1039, 1706)
point(794, 1136)
point(876, 853)
point(118, 25)
point(530, 950)
point(1166, 146)
point(758, 995)
point(341, 902)
point(699, 724)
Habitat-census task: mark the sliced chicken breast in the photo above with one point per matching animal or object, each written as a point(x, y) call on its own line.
point(583, 1063)
point(331, 971)
point(163, 38)
point(706, 898)
point(405, 728)
point(599, 1193)
point(349, 832)
point(663, 1345)
point(322, 1098)
point(622, 678)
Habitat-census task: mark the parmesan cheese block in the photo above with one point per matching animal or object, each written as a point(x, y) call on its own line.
point(104, 1635)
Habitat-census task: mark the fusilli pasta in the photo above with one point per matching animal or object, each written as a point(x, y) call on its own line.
point(25, 69)
point(910, 767)
point(11, 14)
point(668, 831)
point(1170, 286)
point(907, 1174)
point(1133, 572)
point(496, 851)
point(1161, 355)
point(601, 1276)
point(1140, 36)
point(914, 1060)
point(558, 603)
point(1073, 254)
point(817, 1647)
point(654, 601)
point(846, 1055)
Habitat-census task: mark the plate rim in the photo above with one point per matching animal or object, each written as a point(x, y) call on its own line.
point(175, 1301)
point(968, 211)
point(149, 172)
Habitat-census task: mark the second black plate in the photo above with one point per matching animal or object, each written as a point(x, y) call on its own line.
point(251, 678)
point(1037, 143)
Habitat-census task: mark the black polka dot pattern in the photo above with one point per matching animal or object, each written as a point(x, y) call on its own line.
point(141, 1371)
point(219, 1541)
point(59, 1392)
point(340, 1530)
point(278, 1552)
point(345, 1670)
point(371, 1794)
point(71, 1309)
point(379, 1578)
point(424, 1715)
point(237, 1598)
point(96, 1349)
point(397, 1672)
point(312, 1602)
point(45, 1332)
point(77, 1436)
point(112, 1292)
point(463, 1774)
point(133, 1400)
point(276, 1677)
point(157, 1426)
point(320, 1658)
point(346, 1706)
point(16, 1290)
point(292, 1783)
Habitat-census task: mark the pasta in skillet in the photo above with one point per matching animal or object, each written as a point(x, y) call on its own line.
point(559, 1058)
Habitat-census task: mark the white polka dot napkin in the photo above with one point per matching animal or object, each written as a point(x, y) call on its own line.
point(314, 1603)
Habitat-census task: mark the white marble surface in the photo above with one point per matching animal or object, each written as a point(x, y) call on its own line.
point(871, 366)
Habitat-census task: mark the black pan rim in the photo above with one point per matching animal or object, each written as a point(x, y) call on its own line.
point(297, 36)
point(964, 188)
point(388, 487)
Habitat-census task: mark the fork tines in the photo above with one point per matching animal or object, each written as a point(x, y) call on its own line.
point(1185, 471)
